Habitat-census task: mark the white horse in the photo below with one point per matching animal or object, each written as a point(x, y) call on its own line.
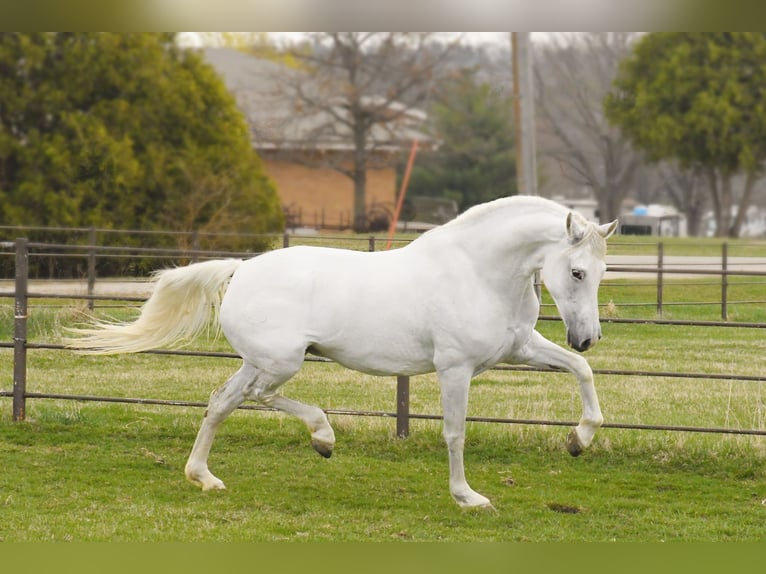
point(457, 300)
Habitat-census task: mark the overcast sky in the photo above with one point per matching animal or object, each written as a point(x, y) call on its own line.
point(497, 38)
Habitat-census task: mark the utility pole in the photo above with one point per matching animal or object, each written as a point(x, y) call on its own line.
point(524, 116)
point(524, 113)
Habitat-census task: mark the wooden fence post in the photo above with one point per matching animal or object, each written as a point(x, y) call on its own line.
point(91, 266)
point(20, 331)
point(724, 281)
point(660, 258)
point(402, 406)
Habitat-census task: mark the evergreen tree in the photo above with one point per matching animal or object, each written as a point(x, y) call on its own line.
point(124, 131)
point(475, 161)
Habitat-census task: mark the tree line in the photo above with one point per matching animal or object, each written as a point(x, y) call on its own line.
point(660, 117)
point(133, 131)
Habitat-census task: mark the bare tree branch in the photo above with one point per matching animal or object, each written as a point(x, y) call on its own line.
point(362, 96)
point(573, 75)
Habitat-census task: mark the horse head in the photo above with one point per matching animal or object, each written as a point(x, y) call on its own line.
point(572, 276)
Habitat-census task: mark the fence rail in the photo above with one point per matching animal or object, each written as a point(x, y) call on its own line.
point(20, 345)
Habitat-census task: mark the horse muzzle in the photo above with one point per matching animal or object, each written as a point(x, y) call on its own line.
point(579, 344)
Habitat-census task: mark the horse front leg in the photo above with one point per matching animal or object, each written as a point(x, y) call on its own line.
point(540, 352)
point(454, 385)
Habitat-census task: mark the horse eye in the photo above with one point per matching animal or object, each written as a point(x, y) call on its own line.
point(578, 274)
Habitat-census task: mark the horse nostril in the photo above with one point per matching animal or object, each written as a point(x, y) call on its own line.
point(585, 344)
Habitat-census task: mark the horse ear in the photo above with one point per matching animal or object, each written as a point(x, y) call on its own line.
point(575, 227)
point(607, 229)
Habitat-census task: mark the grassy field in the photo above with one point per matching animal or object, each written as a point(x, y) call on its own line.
point(688, 246)
point(94, 471)
point(82, 471)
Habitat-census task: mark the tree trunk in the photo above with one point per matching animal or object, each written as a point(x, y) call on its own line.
point(692, 212)
point(360, 209)
point(603, 207)
point(614, 203)
point(747, 193)
point(726, 205)
point(692, 205)
point(712, 176)
point(684, 186)
point(360, 174)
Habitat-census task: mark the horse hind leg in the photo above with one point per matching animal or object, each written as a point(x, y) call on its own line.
point(315, 419)
point(259, 385)
point(223, 401)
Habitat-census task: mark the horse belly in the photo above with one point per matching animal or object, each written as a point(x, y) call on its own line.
point(363, 331)
point(378, 355)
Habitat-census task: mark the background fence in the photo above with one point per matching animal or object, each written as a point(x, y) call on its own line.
point(21, 251)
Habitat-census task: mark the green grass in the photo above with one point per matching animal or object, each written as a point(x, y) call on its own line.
point(94, 471)
point(116, 473)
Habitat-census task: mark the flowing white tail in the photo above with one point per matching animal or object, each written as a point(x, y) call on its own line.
point(178, 309)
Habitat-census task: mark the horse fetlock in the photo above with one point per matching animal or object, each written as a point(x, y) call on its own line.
point(469, 498)
point(204, 479)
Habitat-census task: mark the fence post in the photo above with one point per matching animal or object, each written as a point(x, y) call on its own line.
point(660, 258)
point(286, 240)
point(402, 406)
point(371, 244)
point(195, 246)
point(537, 282)
point(20, 331)
point(91, 266)
point(725, 281)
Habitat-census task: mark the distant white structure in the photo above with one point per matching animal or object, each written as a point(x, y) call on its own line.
point(754, 224)
point(654, 219)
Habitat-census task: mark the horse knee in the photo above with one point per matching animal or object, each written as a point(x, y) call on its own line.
point(454, 440)
point(581, 369)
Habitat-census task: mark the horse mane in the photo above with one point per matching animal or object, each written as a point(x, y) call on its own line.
point(514, 204)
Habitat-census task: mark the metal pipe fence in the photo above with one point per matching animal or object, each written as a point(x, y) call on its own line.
point(20, 345)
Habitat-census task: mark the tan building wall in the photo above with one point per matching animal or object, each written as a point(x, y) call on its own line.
point(323, 196)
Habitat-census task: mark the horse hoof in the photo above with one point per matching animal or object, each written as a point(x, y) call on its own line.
point(573, 444)
point(488, 507)
point(322, 448)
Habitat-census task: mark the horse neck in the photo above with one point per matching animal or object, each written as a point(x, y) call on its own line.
point(509, 243)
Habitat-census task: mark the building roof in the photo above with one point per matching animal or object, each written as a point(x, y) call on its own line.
point(266, 92)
